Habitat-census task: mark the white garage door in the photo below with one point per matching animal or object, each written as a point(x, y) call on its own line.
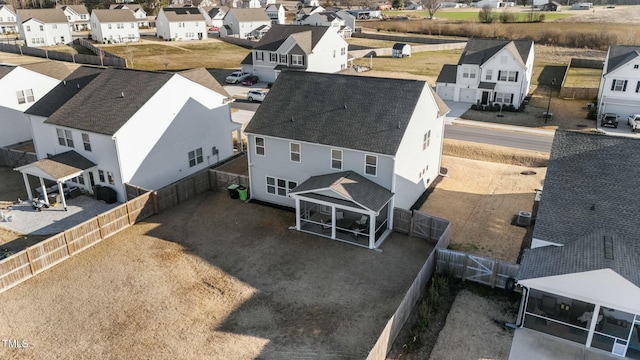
point(265, 75)
point(467, 95)
point(624, 111)
point(445, 93)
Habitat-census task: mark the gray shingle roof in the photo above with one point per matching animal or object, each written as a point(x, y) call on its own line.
point(620, 55)
point(255, 14)
point(43, 15)
point(5, 69)
point(307, 36)
point(448, 74)
point(399, 46)
point(115, 15)
point(183, 14)
point(353, 112)
point(78, 9)
point(64, 164)
point(212, 11)
point(350, 185)
point(64, 91)
point(54, 69)
point(478, 51)
point(203, 77)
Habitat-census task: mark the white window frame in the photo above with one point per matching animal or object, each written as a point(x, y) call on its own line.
point(273, 57)
point(295, 154)
point(509, 76)
point(503, 98)
point(336, 160)
point(65, 138)
point(469, 73)
point(618, 85)
point(195, 157)
point(488, 75)
point(281, 57)
point(101, 177)
point(110, 178)
point(260, 150)
point(259, 56)
point(86, 141)
point(371, 169)
point(279, 187)
point(297, 60)
point(426, 140)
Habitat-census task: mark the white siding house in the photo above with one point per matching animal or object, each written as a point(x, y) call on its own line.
point(619, 89)
point(77, 16)
point(489, 72)
point(145, 128)
point(276, 13)
point(138, 13)
point(185, 23)
point(243, 23)
point(214, 15)
point(8, 22)
point(43, 27)
point(334, 20)
point(361, 147)
point(296, 47)
point(21, 87)
point(117, 25)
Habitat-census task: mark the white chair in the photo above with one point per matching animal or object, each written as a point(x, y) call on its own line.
point(363, 220)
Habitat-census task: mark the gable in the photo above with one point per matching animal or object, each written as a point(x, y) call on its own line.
point(619, 55)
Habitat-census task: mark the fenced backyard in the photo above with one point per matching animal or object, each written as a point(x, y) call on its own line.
point(103, 58)
point(465, 266)
point(15, 158)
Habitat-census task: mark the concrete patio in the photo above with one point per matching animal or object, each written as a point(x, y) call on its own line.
point(530, 344)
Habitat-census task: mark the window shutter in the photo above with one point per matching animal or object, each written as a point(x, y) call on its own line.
point(511, 101)
point(613, 84)
point(638, 87)
point(624, 87)
point(494, 96)
point(499, 74)
point(516, 78)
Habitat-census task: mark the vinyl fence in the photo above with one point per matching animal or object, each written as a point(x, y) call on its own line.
point(358, 53)
point(394, 325)
point(103, 58)
point(15, 158)
point(471, 267)
point(419, 224)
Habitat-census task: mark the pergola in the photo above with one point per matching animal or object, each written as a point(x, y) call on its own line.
point(59, 168)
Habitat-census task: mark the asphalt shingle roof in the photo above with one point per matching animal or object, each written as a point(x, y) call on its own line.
point(203, 77)
point(43, 15)
point(64, 164)
point(255, 14)
point(183, 14)
point(54, 69)
point(620, 55)
point(78, 9)
point(307, 36)
point(352, 186)
point(353, 112)
point(478, 51)
point(115, 15)
point(448, 74)
point(5, 69)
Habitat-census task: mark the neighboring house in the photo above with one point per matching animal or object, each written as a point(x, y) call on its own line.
point(214, 15)
point(43, 27)
point(581, 6)
point(266, 3)
point(306, 11)
point(115, 25)
point(297, 48)
point(413, 6)
point(275, 12)
point(341, 22)
point(145, 128)
point(20, 87)
point(489, 72)
point(552, 6)
point(138, 13)
point(250, 4)
point(619, 90)
point(400, 50)
point(345, 151)
point(243, 23)
point(77, 16)
point(308, 4)
point(366, 14)
point(8, 22)
point(183, 23)
point(581, 278)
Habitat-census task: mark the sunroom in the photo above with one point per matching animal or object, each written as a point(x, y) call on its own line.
point(346, 207)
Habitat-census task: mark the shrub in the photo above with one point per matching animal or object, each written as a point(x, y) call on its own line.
point(486, 15)
point(507, 17)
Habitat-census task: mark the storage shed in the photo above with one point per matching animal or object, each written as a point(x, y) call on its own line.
point(401, 50)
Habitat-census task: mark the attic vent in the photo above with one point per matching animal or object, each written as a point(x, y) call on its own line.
point(608, 247)
point(122, 94)
point(292, 119)
point(78, 85)
point(345, 106)
point(399, 125)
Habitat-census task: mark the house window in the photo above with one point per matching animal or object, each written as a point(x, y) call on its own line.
point(283, 59)
point(41, 27)
point(86, 142)
point(371, 165)
point(469, 73)
point(110, 178)
point(101, 175)
point(25, 96)
point(343, 66)
point(120, 26)
point(279, 187)
point(195, 157)
point(488, 75)
point(334, 52)
point(619, 85)
point(297, 60)
point(54, 26)
point(64, 137)
point(336, 159)
point(109, 26)
point(426, 140)
point(636, 66)
point(259, 56)
point(503, 98)
point(260, 146)
point(511, 76)
point(28, 28)
point(273, 57)
point(343, 51)
point(294, 152)
point(133, 25)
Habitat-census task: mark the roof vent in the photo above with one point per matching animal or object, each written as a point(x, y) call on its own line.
point(64, 82)
point(292, 119)
point(399, 125)
point(122, 94)
point(78, 85)
point(608, 247)
point(345, 106)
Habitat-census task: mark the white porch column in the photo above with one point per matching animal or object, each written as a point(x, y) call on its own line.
point(44, 191)
point(390, 215)
point(87, 183)
point(239, 140)
point(60, 190)
point(297, 214)
point(25, 177)
point(372, 231)
point(592, 325)
point(333, 222)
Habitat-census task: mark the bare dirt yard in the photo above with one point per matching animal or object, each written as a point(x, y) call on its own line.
point(213, 278)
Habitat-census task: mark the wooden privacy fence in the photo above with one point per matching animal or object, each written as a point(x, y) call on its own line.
point(15, 158)
point(45, 254)
point(394, 325)
point(103, 59)
point(223, 179)
point(419, 224)
point(483, 270)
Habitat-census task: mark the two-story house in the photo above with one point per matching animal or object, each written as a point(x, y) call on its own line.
point(296, 47)
point(138, 13)
point(337, 21)
point(77, 16)
point(275, 12)
point(619, 89)
point(580, 279)
point(43, 27)
point(244, 23)
point(214, 15)
point(20, 87)
point(8, 22)
point(306, 11)
point(345, 151)
point(489, 72)
point(181, 23)
point(141, 127)
point(117, 25)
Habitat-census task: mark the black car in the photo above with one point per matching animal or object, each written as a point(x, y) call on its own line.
point(609, 119)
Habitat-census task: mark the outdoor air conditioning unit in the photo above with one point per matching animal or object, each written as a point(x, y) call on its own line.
point(524, 218)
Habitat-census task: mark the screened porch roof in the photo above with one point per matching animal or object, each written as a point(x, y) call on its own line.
point(346, 185)
point(60, 167)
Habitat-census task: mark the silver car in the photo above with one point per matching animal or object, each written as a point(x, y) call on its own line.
point(236, 77)
point(256, 95)
point(634, 122)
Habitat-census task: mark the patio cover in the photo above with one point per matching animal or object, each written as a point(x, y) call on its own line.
point(60, 167)
point(347, 185)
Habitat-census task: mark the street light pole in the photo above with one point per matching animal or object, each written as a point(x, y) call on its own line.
point(546, 115)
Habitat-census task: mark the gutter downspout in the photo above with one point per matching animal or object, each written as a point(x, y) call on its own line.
point(523, 305)
point(121, 182)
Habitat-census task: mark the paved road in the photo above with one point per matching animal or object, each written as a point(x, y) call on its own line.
point(499, 137)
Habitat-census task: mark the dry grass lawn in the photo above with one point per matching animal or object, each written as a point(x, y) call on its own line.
point(583, 78)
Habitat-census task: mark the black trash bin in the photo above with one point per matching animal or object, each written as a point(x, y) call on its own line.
point(233, 191)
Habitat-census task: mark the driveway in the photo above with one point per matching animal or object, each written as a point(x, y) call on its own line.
point(213, 278)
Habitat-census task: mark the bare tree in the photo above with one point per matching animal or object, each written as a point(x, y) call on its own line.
point(486, 15)
point(432, 6)
point(347, 3)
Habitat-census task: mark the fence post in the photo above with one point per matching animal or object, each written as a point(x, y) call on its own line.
point(33, 270)
point(411, 224)
point(155, 202)
point(494, 276)
point(67, 242)
point(464, 267)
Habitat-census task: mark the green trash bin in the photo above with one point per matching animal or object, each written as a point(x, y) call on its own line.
point(233, 191)
point(242, 192)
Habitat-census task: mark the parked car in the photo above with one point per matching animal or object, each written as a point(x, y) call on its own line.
point(634, 122)
point(250, 80)
point(236, 77)
point(256, 95)
point(609, 119)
